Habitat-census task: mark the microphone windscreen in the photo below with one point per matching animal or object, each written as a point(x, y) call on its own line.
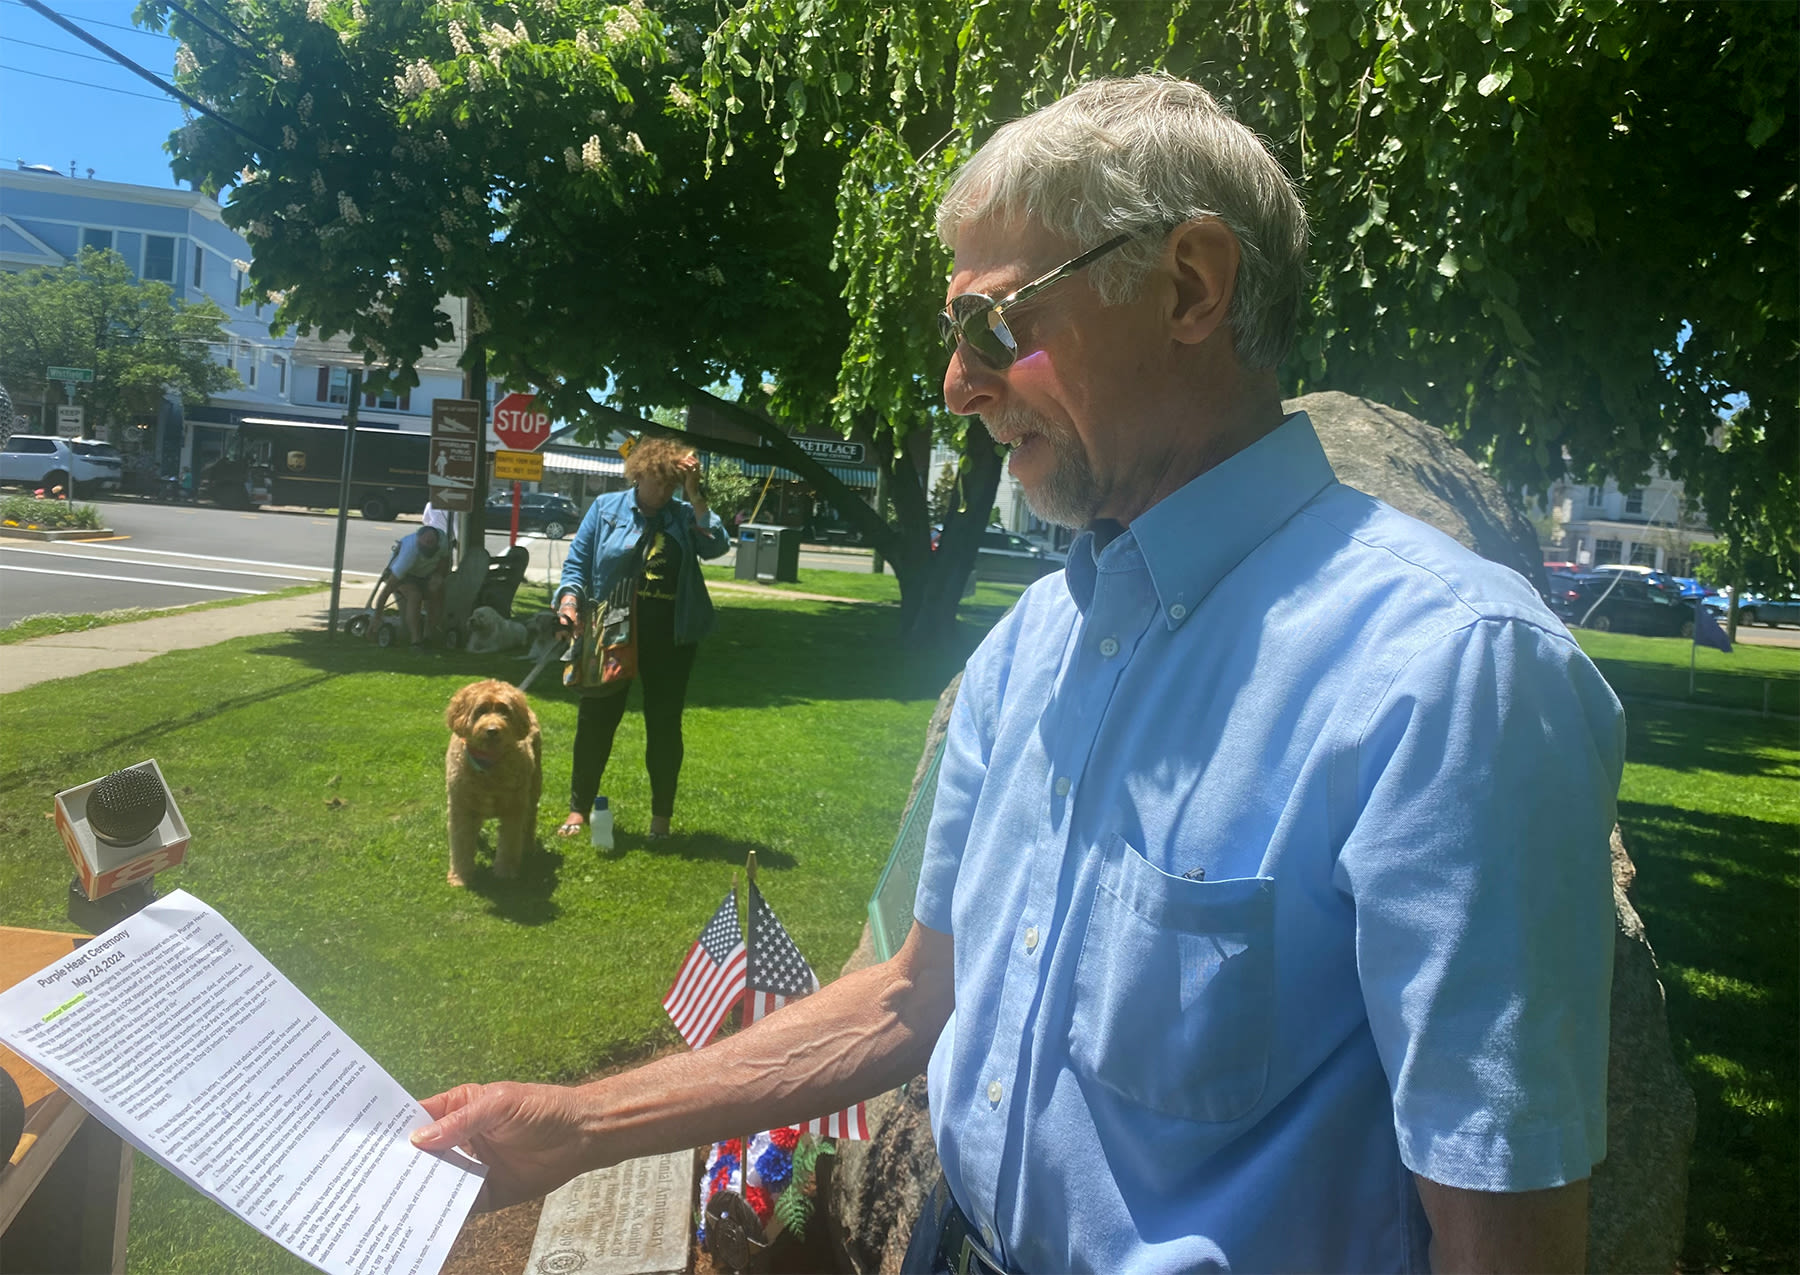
point(126, 806)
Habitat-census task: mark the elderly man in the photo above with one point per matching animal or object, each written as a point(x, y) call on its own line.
point(416, 575)
point(1265, 921)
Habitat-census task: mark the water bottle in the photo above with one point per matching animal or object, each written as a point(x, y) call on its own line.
point(600, 824)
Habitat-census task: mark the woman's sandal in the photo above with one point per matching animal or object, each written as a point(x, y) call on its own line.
point(573, 826)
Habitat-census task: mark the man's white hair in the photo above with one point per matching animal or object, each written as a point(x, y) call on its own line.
point(1146, 154)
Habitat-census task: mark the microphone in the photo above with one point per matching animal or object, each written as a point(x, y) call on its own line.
point(120, 831)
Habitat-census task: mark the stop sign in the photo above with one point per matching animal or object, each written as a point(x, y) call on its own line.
point(519, 425)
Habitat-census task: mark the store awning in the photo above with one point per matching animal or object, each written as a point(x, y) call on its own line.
point(583, 463)
point(849, 475)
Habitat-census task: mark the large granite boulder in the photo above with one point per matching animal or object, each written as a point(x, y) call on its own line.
point(1402, 461)
point(1638, 1196)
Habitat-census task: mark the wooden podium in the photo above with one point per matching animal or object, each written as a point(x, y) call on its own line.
point(65, 1197)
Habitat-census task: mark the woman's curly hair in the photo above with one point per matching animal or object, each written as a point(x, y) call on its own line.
point(657, 458)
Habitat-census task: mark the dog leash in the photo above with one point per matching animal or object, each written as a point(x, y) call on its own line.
point(549, 654)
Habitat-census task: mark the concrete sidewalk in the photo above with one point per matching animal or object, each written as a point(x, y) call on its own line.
point(72, 654)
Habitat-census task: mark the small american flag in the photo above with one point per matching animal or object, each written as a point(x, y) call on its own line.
point(711, 978)
point(777, 974)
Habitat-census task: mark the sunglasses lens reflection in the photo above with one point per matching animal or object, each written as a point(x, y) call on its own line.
point(972, 319)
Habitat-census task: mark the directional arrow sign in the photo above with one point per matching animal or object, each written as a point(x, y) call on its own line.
point(519, 425)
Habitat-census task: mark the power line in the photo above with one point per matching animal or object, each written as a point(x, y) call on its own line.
point(69, 53)
point(117, 26)
point(107, 88)
point(38, 7)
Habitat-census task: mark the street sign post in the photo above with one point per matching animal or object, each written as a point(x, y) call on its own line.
point(527, 467)
point(455, 418)
point(68, 421)
point(519, 425)
point(451, 474)
point(83, 374)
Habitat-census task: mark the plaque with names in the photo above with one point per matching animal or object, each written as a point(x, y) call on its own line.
point(631, 1219)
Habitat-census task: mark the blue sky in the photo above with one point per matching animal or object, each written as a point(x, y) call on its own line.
point(48, 121)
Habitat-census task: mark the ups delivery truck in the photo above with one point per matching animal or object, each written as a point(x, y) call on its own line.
point(301, 463)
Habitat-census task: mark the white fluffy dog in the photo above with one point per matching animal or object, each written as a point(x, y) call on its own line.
point(493, 769)
point(489, 631)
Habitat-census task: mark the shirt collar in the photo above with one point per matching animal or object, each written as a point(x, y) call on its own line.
point(1192, 538)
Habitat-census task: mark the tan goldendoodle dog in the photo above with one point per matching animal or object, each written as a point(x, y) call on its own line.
point(493, 770)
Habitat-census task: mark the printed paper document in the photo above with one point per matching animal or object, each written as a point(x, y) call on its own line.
point(181, 1037)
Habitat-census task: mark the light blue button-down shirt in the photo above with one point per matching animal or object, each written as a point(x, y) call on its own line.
point(1273, 839)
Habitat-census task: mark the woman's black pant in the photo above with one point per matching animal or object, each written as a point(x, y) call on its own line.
point(663, 669)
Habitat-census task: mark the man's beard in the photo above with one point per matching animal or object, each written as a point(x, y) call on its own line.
point(1070, 495)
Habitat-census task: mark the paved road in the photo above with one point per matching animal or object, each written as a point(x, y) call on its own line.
point(171, 555)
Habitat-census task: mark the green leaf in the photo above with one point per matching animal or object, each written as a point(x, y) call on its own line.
point(1448, 265)
point(1495, 80)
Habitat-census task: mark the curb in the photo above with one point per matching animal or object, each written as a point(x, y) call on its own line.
point(32, 533)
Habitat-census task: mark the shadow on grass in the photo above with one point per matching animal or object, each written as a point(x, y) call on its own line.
point(526, 899)
point(79, 760)
point(705, 847)
point(1718, 894)
point(757, 657)
point(1671, 738)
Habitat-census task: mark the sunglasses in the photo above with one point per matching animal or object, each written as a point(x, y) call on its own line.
point(980, 321)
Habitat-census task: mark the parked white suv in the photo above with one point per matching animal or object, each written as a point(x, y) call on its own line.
point(43, 460)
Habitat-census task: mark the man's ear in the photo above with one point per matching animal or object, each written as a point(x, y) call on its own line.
point(1202, 259)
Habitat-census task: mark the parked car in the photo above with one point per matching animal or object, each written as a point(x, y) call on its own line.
point(547, 512)
point(44, 460)
point(1007, 556)
point(1755, 608)
point(1626, 603)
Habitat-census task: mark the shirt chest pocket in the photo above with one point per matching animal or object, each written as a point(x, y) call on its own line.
point(1174, 996)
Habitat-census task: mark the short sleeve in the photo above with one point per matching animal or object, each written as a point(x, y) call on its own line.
point(406, 559)
point(1479, 865)
point(960, 776)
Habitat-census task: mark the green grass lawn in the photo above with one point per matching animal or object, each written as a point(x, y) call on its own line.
point(864, 586)
point(1711, 815)
point(311, 771)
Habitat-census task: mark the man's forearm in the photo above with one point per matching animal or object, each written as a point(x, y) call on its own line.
point(862, 1035)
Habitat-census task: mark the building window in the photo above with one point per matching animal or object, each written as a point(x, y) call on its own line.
point(389, 402)
point(1675, 566)
point(280, 365)
point(337, 381)
point(1634, 502)
point(1607, 551)
point(1596, 498)
point(1643, 555)
point(159, 258)
point(199, 257)
point(251, 353)
point(98, 239)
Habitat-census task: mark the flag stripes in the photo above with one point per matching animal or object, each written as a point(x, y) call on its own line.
point(711, 979)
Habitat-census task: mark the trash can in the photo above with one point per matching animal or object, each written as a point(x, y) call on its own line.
point(745, 568)
point(768, 553)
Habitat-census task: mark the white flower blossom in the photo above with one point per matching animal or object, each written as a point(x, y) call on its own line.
point(260, 228)
point(285, 66)
point(585, 42)
point(683, 100)
point(356, 12)
point(185, 61)
point(475, 75)
point(591, 155)
point(318, 184)
point(303, 108)
point(238, 263)
point(625, 25)
point(315, 10)
point(519, 30)
point(289, 138)
point(459, 40)
point(347, 209)
point(419, 77)
point(572, 158)
point(443, 244)
point(634, 145)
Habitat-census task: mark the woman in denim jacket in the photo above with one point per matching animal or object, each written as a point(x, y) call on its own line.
point(671, 615)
